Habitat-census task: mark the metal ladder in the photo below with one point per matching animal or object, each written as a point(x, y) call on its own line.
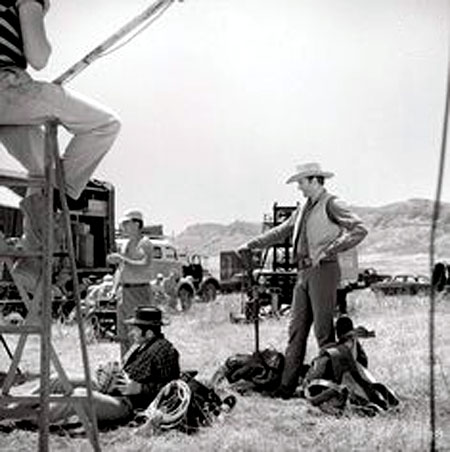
point(39, 319)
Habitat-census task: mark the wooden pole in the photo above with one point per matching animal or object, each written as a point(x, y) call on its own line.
point(46, 300)
point(433, 233)
point(96, 53)
point(60, 180)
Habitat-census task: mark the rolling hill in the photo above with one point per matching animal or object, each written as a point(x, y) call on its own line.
point(401, 228)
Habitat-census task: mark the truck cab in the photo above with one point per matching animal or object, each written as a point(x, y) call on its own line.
point(92, 226)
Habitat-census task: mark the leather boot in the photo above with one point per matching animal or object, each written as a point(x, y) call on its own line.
point(26, 272)
point(35, 223)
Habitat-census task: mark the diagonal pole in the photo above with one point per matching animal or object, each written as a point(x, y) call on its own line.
point(98, 52)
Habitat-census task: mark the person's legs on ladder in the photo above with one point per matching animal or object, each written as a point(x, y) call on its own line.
point(25, 105)
point(94, 127)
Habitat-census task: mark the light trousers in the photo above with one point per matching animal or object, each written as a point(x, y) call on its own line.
point(25, 105)
point(107, 408)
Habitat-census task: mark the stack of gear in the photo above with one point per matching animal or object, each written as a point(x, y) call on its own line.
point(186, 404)
point(259, 372)
point(338, 376)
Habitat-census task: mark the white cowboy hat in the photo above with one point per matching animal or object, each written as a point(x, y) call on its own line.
point(131, 215)
point(307, 170)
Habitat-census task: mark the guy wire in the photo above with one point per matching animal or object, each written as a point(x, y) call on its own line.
point(435, 218)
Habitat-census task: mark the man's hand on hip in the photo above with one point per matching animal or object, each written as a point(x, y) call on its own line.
point(316, 260)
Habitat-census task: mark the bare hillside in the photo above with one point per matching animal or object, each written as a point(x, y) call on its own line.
point(401, 228)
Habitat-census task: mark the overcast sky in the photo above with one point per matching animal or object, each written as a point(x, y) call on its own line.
point(220, 99)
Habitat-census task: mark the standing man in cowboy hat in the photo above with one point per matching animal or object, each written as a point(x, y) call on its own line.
point(134, 261)
point(319, 231)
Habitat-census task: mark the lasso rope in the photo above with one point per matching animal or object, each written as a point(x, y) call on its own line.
point(170, 405)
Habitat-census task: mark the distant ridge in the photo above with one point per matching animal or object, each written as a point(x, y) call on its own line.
point(401, 228)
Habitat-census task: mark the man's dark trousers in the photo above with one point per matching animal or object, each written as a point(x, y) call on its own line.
point(314, 301)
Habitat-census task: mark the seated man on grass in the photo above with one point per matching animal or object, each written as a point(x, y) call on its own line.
point(147, 367)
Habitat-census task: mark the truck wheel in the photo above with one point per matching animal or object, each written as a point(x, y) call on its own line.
point(91, 329)
point(209, 292)
point(186, 297)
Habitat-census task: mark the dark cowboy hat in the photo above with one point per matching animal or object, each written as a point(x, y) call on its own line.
point(147, 316)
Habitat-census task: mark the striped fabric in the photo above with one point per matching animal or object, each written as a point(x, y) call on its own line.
point(11, 45)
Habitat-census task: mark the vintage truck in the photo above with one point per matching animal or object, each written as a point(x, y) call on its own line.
point(93, 237)
point(403, 284)
point(369, 276)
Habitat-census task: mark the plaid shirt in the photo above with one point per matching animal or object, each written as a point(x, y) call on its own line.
point(153, 363)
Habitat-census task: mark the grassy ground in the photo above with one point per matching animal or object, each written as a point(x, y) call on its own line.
point(398, 356)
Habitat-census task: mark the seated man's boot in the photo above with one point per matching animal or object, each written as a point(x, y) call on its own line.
point(26, 272)
point(35, 223)
point(35, 219)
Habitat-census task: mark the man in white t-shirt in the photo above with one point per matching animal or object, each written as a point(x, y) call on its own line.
point(133, 275)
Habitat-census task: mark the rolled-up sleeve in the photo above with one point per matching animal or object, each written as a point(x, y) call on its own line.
point(353, 229)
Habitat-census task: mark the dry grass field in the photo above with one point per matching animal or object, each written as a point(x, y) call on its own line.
point(398, 356)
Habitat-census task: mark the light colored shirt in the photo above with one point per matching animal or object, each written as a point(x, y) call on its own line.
point(353, 230)
point(136, 273)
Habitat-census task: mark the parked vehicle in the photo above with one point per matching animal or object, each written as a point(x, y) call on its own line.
point(403, 284)
point(93, 239)
point(369, 276)
point(204, 284)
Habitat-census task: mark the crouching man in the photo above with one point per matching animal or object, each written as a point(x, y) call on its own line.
point(120, 390)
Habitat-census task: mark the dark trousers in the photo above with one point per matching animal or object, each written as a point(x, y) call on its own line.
point(129, 298)
point(314, 301)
